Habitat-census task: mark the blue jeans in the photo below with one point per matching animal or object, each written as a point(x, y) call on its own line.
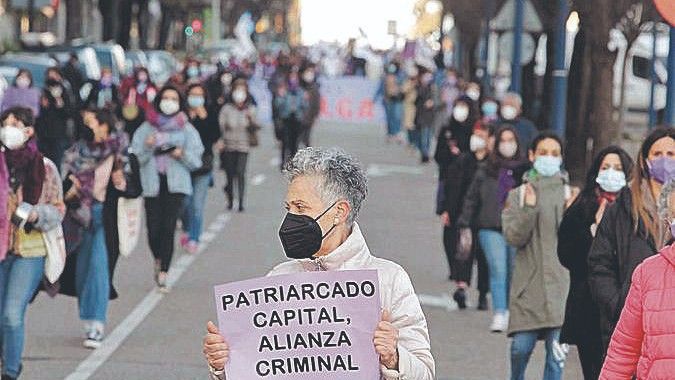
point(91, 276)
point(424, 140)
point(522, 346)
point(394, 113)
point(499, 257)
point(19, 278)
point(192, 216)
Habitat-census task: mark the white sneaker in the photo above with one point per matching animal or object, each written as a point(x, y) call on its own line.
point(500, 322)
point(94, 336)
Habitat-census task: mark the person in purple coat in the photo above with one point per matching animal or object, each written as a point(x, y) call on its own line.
point(22, 93)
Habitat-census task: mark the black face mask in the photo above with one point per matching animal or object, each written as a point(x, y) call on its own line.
point(301, 235)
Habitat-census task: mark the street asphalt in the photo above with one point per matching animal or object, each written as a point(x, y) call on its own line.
point(155, 336)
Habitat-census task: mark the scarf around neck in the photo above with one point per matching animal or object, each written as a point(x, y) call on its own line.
point(26, 170)
point(82, 159)
point(165, 123)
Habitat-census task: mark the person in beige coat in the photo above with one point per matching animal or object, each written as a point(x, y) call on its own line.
point(409, 90)
point(402, 338)
point(540, 283)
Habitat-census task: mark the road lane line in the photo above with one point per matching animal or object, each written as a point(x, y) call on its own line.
point(442, 302)
point(90, 364)
point(258, 179)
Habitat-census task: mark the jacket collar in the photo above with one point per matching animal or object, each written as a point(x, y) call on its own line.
point(531, 176)
point(668, 253)
point(353, 247)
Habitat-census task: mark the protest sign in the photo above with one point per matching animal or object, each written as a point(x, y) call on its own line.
point(350, 100)
point(312, 325)
point(343, 100)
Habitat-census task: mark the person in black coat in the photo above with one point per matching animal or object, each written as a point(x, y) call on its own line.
point(606, 177)
point(630, 231)
point(458, 176)
point(55, 112)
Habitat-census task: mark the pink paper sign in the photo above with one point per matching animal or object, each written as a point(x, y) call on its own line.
point(313, 325)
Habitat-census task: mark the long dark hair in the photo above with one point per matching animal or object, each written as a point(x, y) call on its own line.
point(640, 212)
point(588, 196)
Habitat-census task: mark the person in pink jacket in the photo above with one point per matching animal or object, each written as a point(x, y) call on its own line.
point(643, 343)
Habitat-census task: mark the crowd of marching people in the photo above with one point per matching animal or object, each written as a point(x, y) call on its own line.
point(589, 266)
point(562, 264)
point(134, 144)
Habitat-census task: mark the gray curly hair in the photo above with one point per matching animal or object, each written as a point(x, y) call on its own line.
point(341, 176)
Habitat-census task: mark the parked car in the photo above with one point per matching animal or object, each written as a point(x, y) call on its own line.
point(4, 80)
point(112, 56)
point(161, 65)
point(89, 65)
point(36, 63)
point(136, 58)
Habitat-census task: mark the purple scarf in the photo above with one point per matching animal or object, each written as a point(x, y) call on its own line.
point(27, 167)
point(166, 125)
point(4, 198)
point(506, 180)
point(82, 159)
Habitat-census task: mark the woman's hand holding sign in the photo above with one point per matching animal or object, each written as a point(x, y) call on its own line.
point(386, 342)
point(216, 350)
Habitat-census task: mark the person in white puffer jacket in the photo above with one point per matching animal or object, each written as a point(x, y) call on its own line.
point(325, 193)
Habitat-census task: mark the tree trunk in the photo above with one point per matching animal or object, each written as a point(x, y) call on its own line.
point(577, 107)
point(602, 125)
point(529, 90)
point(544, 119)
point(73, 19)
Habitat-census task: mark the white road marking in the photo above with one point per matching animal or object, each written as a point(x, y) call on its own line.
point(89, 365)
point(275, 162)
point(442, 302)
point(381, 170)
point(258, 179)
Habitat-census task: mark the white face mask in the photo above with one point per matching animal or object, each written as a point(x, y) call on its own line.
point(308, 76)
point(226, 79)
point(508, 149)
point(22, 82)
point(477, 143)
point(12, 137)
point(509, 112)
point(56, 91)
point(460, 113)
point(169, 106)
point(473, 94)
point(239, 96)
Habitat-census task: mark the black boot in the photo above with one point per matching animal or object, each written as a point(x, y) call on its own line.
point(7, 377)
point(460, 297)
point(482, 301)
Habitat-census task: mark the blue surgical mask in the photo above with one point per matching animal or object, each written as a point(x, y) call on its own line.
point(193, 71)
point(195, 101)
point(489, 108)
point(547, 166)
point(611, 180)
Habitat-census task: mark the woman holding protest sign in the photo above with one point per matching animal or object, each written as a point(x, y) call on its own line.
point(320, 233)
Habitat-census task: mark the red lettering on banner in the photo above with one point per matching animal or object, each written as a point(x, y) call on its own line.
point(324, 111)
point(366, 109)
point(344, 108)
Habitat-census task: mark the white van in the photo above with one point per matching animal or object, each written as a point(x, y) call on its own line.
point(638, 71)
